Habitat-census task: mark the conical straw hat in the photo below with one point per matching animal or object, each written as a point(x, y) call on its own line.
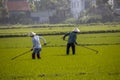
point(32, 34)
point(76, 30)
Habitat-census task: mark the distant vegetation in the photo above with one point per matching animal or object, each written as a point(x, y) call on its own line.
point(102, 12)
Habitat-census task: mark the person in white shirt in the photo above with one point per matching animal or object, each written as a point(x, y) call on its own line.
point(36, 45)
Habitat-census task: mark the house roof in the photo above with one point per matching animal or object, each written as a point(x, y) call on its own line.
point(20, 5)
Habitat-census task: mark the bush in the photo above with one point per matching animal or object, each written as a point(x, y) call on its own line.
point(90, 19)
point(70, 21)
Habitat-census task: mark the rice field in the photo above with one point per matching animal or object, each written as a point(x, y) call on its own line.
point(55, 64)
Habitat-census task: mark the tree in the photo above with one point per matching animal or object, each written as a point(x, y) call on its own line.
point(60, 6)
point(3, 12)
point(99, 13)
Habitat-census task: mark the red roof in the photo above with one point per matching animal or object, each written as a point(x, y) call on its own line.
point(18, 6)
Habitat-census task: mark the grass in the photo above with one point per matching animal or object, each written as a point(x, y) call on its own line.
point(50, 30)
point(56, 65)
point(56, 40)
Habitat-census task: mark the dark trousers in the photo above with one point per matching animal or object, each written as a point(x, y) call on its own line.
point(38, 56)
point(36, 51)
point(72, 45)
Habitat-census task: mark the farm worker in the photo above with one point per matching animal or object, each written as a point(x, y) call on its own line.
point(71, 40)
point(36, 45)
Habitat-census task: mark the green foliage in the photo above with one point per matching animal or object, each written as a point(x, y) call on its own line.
point(53, 29)
point(54, 4)
point(33, 8)
point(1, 3)
point(70, 21)
point(3, 12)
point(61, 7)
point(99, 13)
point(55, 65)
point(20, 18)
point(90, 19)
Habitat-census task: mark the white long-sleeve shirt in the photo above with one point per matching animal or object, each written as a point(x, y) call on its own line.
point(36, 41)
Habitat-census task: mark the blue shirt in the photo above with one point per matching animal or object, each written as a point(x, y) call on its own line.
point(72, 37)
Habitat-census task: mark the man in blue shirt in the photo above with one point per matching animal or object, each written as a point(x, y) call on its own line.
point(36, 44)
point(71, 40)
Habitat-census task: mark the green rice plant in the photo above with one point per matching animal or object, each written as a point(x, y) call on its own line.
point(57, 40)
point(53, 30)
point(55, 64)
point(85, 65)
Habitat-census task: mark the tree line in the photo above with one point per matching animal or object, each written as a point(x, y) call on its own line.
point(101, 12)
